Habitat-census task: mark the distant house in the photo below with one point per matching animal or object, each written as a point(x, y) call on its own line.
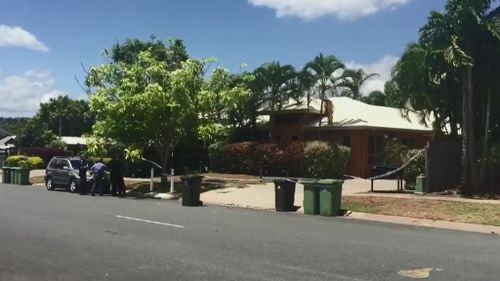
point(74, 141)
point(75, 144)
point(362, 127)
point(7, 142)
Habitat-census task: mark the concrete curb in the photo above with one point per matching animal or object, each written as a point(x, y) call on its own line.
point(468, 227)
point(457, 226)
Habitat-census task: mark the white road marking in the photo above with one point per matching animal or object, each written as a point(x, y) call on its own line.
point(150, 221)
point(421, 273)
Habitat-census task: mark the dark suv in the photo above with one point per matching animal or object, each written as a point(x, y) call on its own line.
point(63, 172)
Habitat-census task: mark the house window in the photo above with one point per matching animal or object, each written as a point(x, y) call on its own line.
point(346, 141)
point(295, 138)
point(409, 142)
point(375, 150)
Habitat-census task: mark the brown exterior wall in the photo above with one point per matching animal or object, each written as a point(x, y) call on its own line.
point(287, 128)
point(294, 130)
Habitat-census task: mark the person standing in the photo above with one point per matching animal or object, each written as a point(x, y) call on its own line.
point(98, 170)
point(82, 173)
point(117, 181)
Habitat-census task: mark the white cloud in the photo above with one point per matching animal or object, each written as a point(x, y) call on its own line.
point(342, 9)
point(383, 67)
point(21, 95)
point(17, 37)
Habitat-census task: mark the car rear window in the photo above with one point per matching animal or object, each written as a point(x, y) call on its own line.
point(75, 164)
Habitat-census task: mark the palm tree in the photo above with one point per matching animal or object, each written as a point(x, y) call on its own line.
point(305, 83)
point(353, 80)
point(470, 20)
point(322, 69)
point(275, 83)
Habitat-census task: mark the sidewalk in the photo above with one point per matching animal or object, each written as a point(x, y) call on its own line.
point(261, 196)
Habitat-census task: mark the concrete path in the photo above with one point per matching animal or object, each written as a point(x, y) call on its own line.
point(55, 235)
point(261, 195)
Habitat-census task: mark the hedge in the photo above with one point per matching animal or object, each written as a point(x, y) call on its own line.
point(283, 159)
point(326, 160)
point(25, 162)
point(215, 152)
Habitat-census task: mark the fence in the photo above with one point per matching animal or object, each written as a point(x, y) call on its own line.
point(443, 167)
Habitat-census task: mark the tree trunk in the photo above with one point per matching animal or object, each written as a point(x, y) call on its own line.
point(164, 155)
point(486, 148)
point(474, 172)
point(254, 127)
point(320, 119)
point(466, 180)
point(308, 100)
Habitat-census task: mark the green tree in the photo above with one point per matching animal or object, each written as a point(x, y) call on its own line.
point(323, 69)
point(452, 73)
point(173, 53)
point(61, 116)
point(65, 116)
point(274, 86)
point(146, 102)
point(353, 80)
point(375, 98)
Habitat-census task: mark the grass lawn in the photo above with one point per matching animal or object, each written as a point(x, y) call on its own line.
point(479, 213)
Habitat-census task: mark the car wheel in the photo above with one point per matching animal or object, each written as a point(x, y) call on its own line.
point(73, 188)
point(49, 184)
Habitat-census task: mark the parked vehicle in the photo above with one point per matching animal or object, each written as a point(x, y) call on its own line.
point(62, 172)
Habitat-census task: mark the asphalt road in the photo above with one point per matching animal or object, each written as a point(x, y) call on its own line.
point(54, 235)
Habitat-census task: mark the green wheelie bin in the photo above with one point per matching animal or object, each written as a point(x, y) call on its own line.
point(23, 175)
point(330, 197)
point(6, 175)
point(191, 187)
point(311, 196)
point(14, 179)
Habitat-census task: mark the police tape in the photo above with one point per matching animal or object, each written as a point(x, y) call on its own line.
point(390, 173)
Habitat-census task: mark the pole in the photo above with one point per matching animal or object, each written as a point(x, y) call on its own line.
point(151, 183)
point(171, 180)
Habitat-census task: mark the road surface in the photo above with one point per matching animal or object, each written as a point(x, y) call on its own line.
point(54, 235)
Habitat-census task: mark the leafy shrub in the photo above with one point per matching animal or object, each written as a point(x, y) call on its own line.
point(215, 155)
point(239, 157)
point(292, 159)
point(57, 144)
point(25, 162)
point(267, 157)
point(392, 152)
point(36, 163)
point(270, 159)
point(325, 160)
point(13, 161)
point(415, 168)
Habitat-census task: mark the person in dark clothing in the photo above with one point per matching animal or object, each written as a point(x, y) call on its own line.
point(98, 170)
point(117, 182)
point(82, 173)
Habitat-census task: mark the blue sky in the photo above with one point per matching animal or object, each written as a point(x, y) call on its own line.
point(42, 42)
